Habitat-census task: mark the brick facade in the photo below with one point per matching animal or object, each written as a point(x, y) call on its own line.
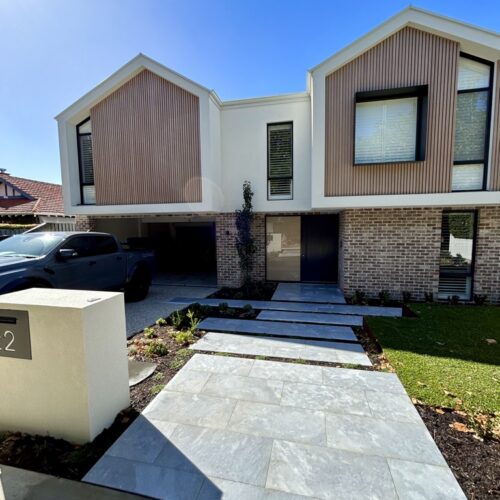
point(390, 249)
point(84, 223)
point(228, 264)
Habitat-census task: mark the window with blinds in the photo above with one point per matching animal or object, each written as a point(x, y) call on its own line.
point(457, 254)
point(280, 161)
point(85, 160)
point(390, 125)
point(471, 124)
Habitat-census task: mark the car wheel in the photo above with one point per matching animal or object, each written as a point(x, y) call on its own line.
point(138, 287)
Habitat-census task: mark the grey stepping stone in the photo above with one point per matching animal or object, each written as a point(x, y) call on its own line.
point(275, 305)
point(194, 409)
point(188, 381)
point(220, 453)
point(139, 371)
point(392, 407)
point(327, 473)
point(143, 440)
point(304, 317)
point(375, 436)
point(415, 481)
point(245, 388)
point(278, 422)
point(219, 364)
point(309, 292)
point(278, 328)
point(217, 489)
point(145, 479)
point(348, 379)
point(310, 350)
point(274, 370)
point(321, 397)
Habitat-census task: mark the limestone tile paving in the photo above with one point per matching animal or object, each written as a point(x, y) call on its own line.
point(304, 349)
point(310, 307)
point(397, 407)
point(328, 473)
point(306, 317)
point(279, 329)
point(251, 429)
point(309, 292)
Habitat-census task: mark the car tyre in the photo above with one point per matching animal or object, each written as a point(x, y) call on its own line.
point(138, 287)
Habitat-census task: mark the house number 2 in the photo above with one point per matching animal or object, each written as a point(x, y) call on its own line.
point(9, 336)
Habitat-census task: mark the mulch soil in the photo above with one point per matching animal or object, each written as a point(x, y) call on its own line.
point(475, 461)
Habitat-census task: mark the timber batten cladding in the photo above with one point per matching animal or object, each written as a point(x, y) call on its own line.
point(494, 181)
point(146, 144)
point(407, 58)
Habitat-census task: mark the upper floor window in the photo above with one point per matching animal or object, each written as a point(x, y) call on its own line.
point(280, 161)
point(471, 124)
point(85, 161)
point(390, 125)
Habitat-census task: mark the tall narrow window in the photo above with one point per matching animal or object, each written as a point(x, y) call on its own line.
point(457, 254)
point(280, 161)
point(472, 124)
point(85, 160)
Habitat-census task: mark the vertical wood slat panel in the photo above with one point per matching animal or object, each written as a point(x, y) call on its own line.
point(407, 58)
point(146, 144)
point(494, 184)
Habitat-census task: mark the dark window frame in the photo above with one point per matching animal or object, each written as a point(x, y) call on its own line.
point(487, 130)
point(269, 198)
point(475, 226)
point(419, 91)
point(78, 135)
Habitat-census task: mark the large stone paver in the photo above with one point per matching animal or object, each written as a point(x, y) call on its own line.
point(309, 292)
point(256, 429)
point(278, 329)
point(306, 317)
point(311, 350)
point(310, 307)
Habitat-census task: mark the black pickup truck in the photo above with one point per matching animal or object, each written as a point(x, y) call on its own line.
point(83, 261)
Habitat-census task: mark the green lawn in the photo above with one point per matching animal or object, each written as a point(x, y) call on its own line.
point(442, 355)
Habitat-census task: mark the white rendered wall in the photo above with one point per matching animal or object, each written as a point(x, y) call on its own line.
point(244, 153)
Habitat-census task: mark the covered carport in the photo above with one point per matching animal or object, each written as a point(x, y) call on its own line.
point(184, 246)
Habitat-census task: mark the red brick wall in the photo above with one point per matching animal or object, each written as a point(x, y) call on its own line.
point(390, 249)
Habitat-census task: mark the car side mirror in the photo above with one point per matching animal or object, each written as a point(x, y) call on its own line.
point(66, 254)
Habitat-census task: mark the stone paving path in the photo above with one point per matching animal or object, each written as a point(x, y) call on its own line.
point(300, 349)
point(235, 428)
point(278, 328)
point(309, 292)
point(311, 307)
point(318, 318)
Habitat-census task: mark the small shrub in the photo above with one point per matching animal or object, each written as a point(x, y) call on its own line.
point(132, 350)
point(384, 297)
point(479, 299)
point(454, 299)
point(177, 318)
point(223, 307)
point(247, 308)
point(149, 333)
point(193, 321)
point(429, 297)
point(180, 359)
point(359, 297)
point(156, 389)
point(161, 321)
point(406, 297)
point(158, 377)
point(156, 348)
point(184, 338)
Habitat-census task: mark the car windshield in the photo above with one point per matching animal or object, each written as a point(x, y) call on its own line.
point(29, 245)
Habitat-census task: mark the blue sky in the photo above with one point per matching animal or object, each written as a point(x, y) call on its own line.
point(54, 51)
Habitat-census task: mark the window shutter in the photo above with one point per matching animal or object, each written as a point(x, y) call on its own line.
point(86, 161)
point(467, 177)
point(280, 160)
point(386, 131)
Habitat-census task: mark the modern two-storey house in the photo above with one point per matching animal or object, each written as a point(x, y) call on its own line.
point(383, 174)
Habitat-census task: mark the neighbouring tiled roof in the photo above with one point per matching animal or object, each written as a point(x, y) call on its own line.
point(42, 197)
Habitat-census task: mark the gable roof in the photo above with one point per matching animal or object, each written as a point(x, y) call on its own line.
point(472, 38)
point(37, 198)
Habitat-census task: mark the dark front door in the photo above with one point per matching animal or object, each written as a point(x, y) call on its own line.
point(319, 248)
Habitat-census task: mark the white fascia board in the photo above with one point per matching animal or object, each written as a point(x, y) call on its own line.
point(150, 209)
point(266, 101)
point(418, 18)
point(476, 198)
point(79, 109)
